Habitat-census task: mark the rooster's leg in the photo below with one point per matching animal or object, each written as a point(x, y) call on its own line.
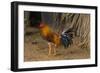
point(54, 50)
point(49, 45)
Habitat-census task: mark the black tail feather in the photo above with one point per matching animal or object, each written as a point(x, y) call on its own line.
point(66, 39)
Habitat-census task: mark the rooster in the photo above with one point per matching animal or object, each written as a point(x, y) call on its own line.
point(53, 38)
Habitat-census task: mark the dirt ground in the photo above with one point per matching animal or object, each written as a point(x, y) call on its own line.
point(36, 49)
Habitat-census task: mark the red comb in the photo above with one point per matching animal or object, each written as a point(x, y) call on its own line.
point(41, 25)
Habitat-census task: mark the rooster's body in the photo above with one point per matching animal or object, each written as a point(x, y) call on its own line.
point(50, 36)
point(54, 38)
